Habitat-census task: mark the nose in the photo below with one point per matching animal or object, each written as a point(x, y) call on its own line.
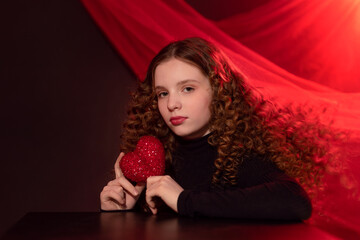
point(174, 102)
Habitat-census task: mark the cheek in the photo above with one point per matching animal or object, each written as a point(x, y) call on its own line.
point(204, 109)
point(209, 101)
point(207, 107)
point(162, 108)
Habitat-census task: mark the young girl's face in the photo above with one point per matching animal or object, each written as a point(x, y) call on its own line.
point(184, 97)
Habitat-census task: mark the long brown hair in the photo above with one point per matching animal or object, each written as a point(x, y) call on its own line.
point(243, 123)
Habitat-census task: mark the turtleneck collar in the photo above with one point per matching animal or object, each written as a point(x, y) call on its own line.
point(192, 144)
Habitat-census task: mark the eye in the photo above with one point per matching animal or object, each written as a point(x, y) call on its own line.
point(188, 89)
point(162, 94)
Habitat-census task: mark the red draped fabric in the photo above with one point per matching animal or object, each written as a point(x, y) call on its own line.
point(317, 40)
point(303, 52)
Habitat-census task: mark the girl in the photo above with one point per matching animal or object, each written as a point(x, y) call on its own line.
point(229, 153)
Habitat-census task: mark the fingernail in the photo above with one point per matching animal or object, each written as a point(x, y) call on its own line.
point(136, 193)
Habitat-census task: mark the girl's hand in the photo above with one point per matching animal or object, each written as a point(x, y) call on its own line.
point(165, 188)
point(120, 194)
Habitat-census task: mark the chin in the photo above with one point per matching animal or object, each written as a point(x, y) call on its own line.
point(182, 134)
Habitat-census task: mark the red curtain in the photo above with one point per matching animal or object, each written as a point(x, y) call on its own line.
point(317, 40)
point(304, 52)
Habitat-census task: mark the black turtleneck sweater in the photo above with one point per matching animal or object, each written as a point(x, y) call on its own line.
point(262, 190)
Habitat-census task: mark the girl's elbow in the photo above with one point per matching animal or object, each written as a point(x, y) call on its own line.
point(307, 210)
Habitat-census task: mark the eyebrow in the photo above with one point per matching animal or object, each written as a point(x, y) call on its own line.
point(179, 83)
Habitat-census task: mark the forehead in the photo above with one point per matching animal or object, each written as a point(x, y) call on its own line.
point(175, 70)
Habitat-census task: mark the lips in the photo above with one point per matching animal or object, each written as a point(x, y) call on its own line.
point(177, 120)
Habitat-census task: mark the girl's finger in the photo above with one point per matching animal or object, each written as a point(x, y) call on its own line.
point(112, 196)
point(153, 179)
point(139, 187)
point(128, 187)
point(150, 194)
point(118, 172)
point(153, 210)
point(118, 189)
point(114, 182)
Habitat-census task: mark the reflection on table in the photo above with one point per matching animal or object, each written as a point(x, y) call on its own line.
point(134, 225)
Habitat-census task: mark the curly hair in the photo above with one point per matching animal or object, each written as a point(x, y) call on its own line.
point(242, 122)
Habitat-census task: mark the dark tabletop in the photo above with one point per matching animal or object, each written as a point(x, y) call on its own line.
point(141, 226)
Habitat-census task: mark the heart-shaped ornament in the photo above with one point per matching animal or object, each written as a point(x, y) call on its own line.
point(148, 159)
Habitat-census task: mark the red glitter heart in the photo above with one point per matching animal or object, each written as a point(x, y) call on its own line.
point(148, 159)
